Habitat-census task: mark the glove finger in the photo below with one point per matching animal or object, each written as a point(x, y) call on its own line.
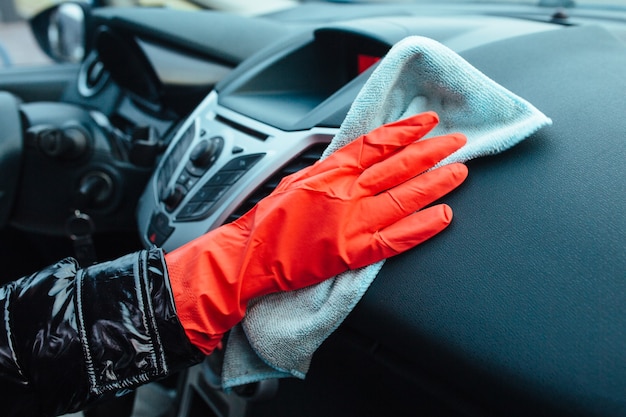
point(382, 142)
point(416, 228)
point(403, 235)
point(385, 140)
point(411, 196)
point(409, 162)
point(369, 148)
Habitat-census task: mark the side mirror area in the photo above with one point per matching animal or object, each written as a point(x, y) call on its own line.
point(61, 31)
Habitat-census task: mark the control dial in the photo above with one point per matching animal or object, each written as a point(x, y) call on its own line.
point(204, 154)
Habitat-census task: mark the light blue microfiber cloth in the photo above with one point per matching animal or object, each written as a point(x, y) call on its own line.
point(281, 331)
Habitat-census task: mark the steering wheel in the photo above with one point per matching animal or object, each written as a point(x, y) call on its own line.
point(11, 145)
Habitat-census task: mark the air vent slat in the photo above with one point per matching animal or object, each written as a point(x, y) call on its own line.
point(305, 159)
point(272, 183)
point(244, 129)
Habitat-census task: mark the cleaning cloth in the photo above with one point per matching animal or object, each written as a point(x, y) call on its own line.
point(281, 331)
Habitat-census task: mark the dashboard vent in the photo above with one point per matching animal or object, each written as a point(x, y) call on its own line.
point(305, 159)
point(243, 129)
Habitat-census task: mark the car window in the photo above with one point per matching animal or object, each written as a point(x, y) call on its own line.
point(18, 47)
point(17, 44)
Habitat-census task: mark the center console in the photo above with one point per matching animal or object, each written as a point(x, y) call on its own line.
point(273, 117)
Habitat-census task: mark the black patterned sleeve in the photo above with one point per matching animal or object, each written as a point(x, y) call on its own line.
point(73, 336)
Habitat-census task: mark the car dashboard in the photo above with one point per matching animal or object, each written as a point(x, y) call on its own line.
point(276, 113)
point(516, 309)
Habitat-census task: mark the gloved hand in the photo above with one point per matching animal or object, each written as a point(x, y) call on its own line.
point(356, 207)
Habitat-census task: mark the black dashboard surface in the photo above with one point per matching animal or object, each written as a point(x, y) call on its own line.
point(523, 296)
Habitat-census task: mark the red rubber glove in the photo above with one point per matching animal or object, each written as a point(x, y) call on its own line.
point(356, 207)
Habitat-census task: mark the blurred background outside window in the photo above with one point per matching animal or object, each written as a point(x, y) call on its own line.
point(18, 46)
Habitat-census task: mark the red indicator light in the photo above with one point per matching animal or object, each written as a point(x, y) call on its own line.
point(366, 61)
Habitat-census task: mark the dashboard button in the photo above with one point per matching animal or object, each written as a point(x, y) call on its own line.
point(195, 210)
point(203, 201)
point(243, 163)
point(159, 229)
point(186, 180)
point(174, 158)
point(208, 194)
point(225, 177)
point(183, 177)
point(189, 210)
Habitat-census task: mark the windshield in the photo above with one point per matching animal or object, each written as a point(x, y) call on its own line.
point(18, 47)
point(27, 8)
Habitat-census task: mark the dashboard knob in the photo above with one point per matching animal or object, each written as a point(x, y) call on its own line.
point(173, 197)
point(67, 143)
point(203, 154)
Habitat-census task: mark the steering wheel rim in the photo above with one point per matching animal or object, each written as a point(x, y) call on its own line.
point(11, 147)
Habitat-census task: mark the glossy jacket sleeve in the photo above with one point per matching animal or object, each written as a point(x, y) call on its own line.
point(71, 336)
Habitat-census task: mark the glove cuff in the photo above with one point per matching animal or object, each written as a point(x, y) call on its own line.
point(206, 286)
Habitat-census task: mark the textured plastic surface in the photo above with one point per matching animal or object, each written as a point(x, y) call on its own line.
point(519, 305)
point(201, 32)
